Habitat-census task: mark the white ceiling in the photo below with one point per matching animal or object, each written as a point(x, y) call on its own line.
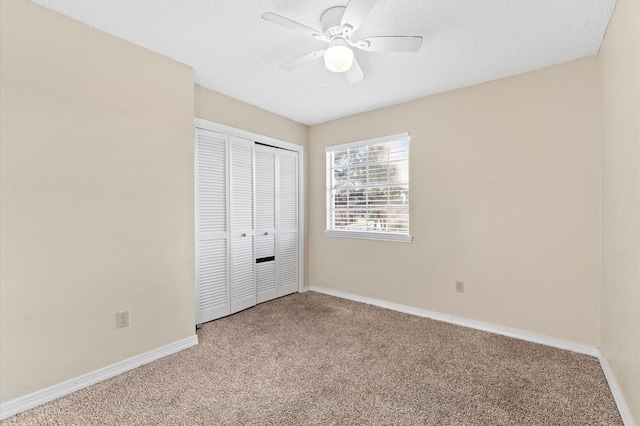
point(466, 42)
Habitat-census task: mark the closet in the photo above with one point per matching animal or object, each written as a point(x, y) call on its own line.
point(247, 221)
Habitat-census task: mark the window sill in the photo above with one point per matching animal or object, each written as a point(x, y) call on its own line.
point(378, 236)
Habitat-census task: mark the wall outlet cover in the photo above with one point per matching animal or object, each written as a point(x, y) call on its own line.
point(122, 319)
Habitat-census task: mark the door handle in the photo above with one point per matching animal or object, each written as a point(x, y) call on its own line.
point(266, 233)
point(243, 235)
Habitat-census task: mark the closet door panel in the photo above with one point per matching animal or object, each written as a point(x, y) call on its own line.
point(243, 290)
point(241, 184)
point(212, 284)
point(265, 189)
point(265, 159)
point(288, 192)
point(287, 245)
point(266, 268)
point(287, 263)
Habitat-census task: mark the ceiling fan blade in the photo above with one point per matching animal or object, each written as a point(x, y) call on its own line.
point(293, 25)
point(305, 59)
point(390, 44)
point(355, 73)
point(356, 11)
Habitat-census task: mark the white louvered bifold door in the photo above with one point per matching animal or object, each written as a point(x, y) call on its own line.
point(212, 284)
point(265, 160)
point(242, 261)
point(287, 222)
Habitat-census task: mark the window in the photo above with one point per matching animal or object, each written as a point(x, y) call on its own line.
point(368, 189)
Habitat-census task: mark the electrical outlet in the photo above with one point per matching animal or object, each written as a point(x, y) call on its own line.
point(122, 319)
point(460, 286)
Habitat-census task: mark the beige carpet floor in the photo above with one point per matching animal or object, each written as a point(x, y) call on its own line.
point(312, 359)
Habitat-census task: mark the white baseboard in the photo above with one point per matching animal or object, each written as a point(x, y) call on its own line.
point(27, 402)
point(625, 413)
point(467, 322)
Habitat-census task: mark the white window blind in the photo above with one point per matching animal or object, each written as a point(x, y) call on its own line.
point(368, 189)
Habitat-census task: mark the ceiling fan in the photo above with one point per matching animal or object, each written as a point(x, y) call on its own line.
point(339, 25)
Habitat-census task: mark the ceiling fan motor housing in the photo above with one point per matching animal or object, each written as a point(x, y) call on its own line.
point(331, 22)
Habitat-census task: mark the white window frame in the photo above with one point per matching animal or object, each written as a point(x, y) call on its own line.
point(367, 235)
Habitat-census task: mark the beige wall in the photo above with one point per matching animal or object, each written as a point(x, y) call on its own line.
point(504, 194)
point(620, 74)
point(96, 199)
point(222, 109)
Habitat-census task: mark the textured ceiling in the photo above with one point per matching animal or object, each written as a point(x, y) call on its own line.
point(234, 52)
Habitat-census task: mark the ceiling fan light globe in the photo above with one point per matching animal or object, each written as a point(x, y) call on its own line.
point(338, 58)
